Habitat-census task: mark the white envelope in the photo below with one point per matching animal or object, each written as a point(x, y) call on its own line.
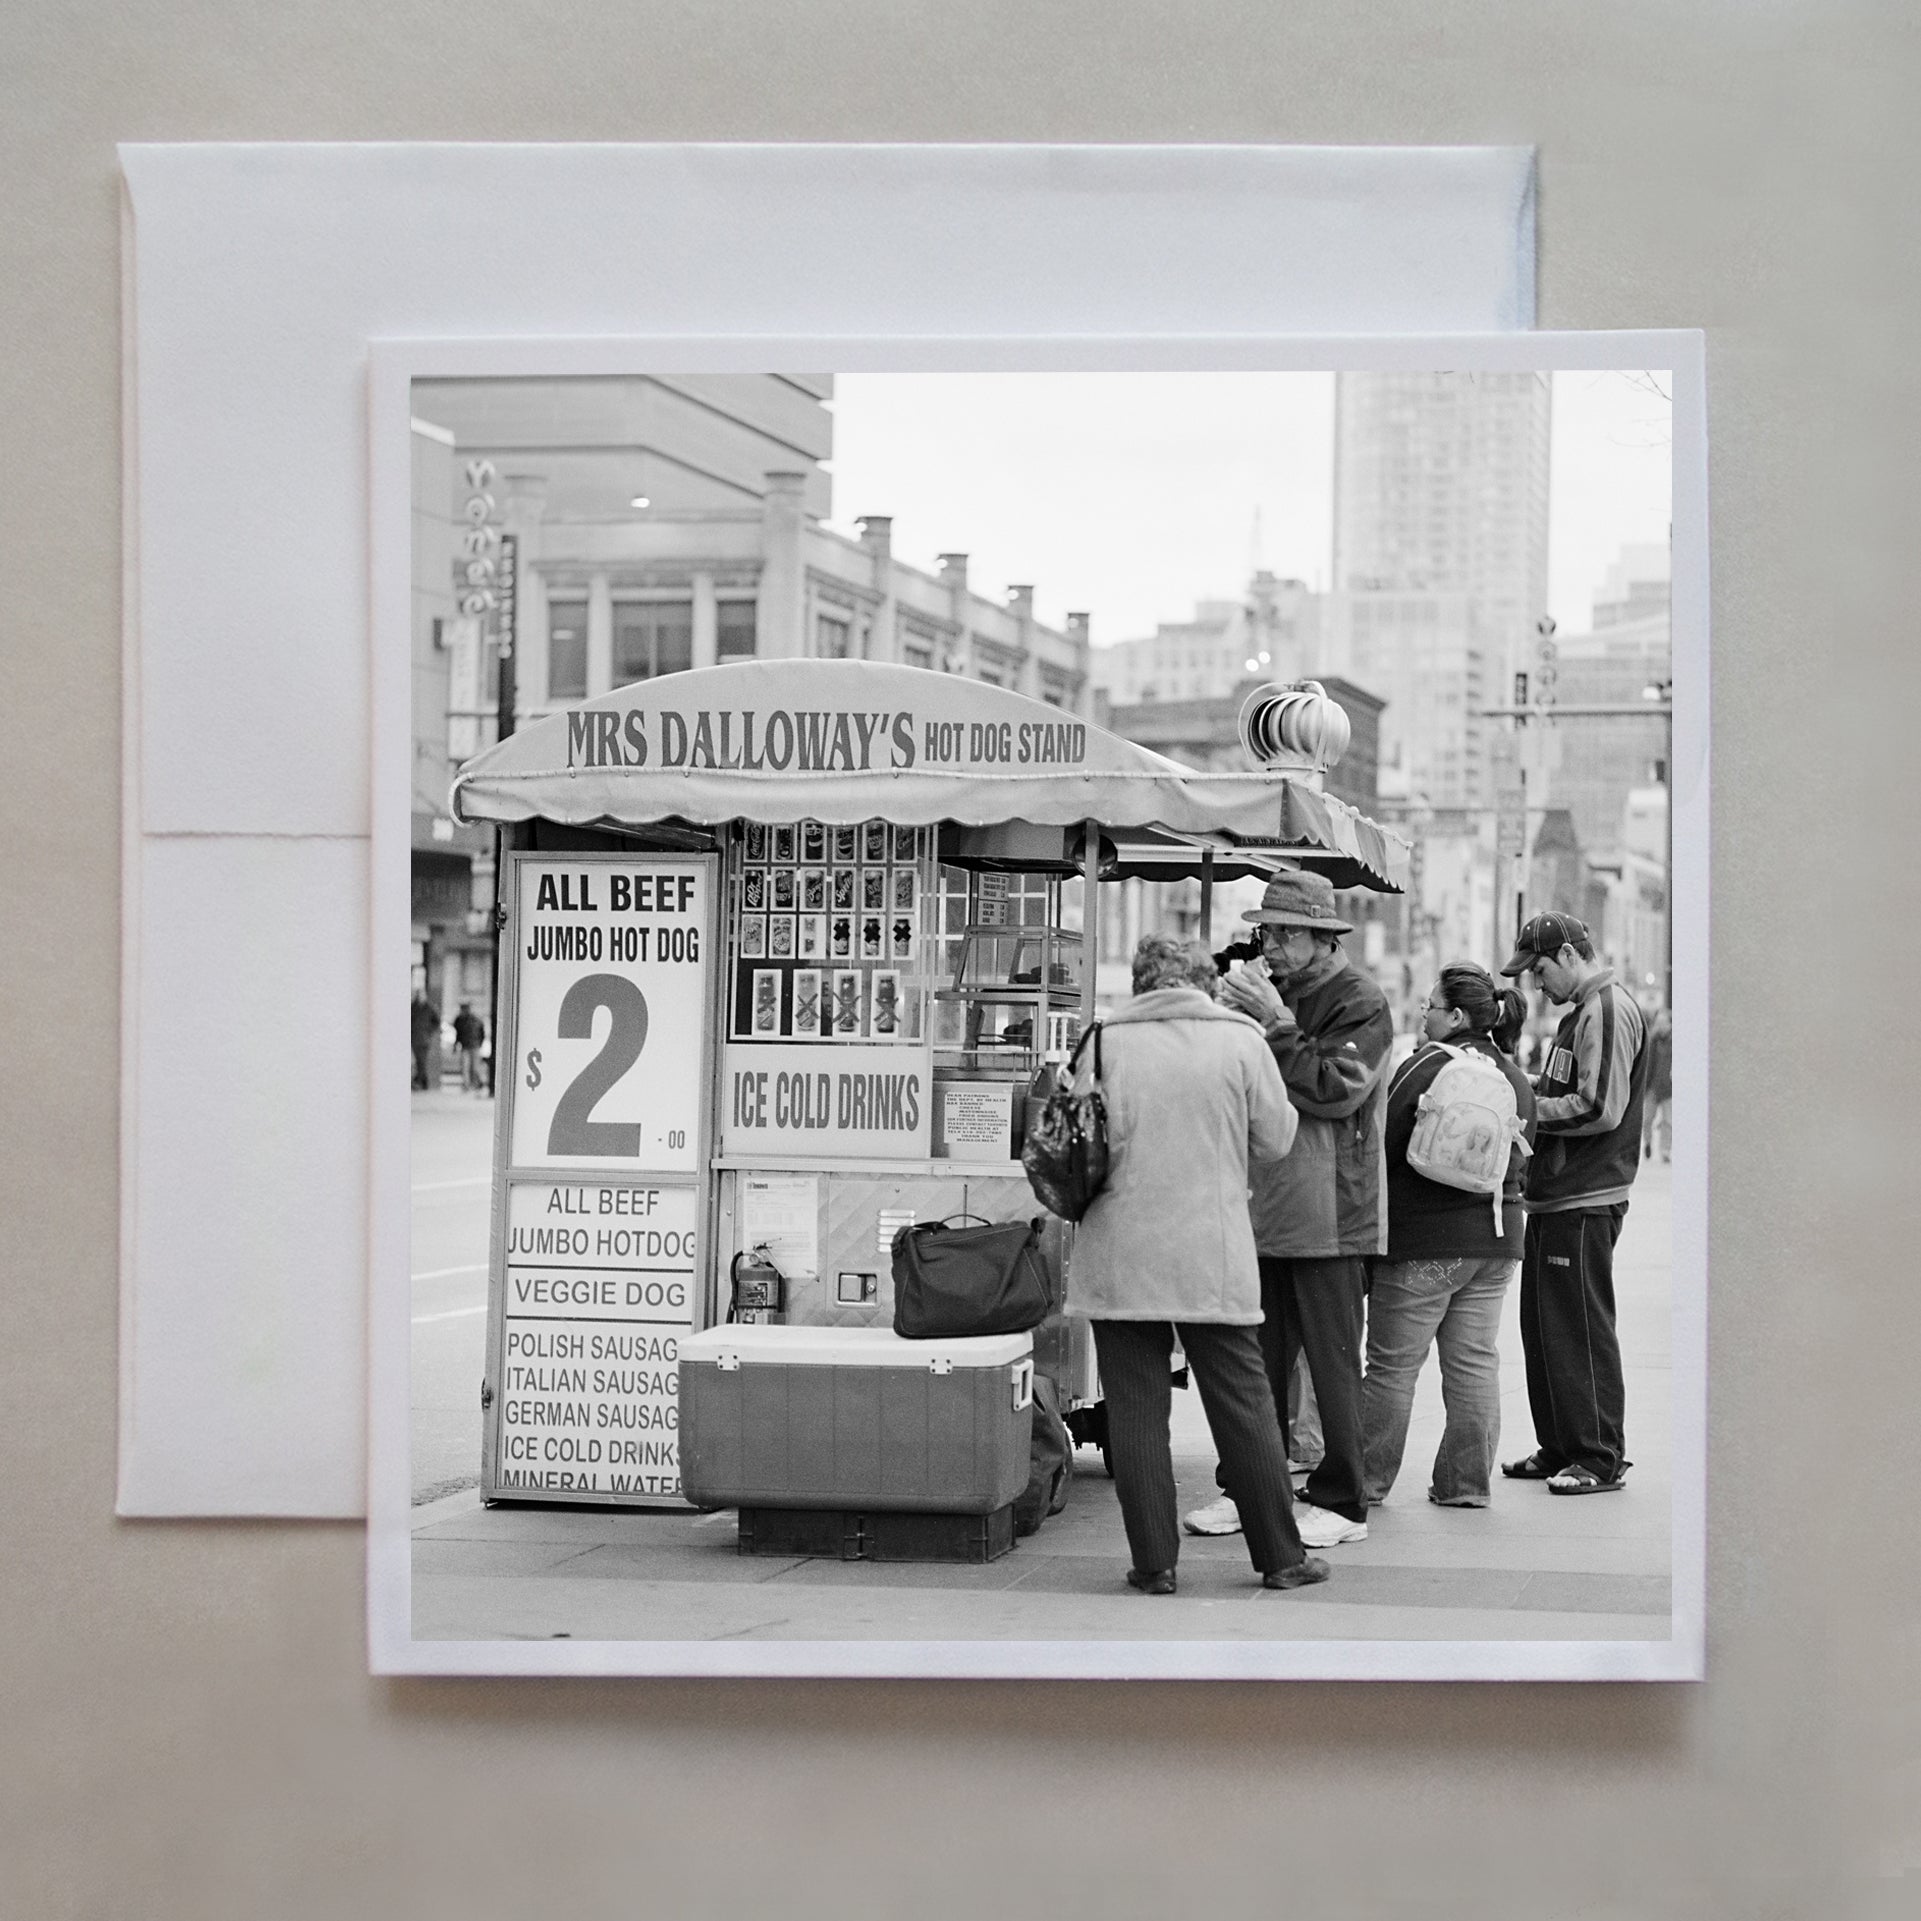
point(255, 276)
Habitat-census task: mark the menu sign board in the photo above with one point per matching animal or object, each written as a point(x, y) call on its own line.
point(600, 1286)
point(597, 1255)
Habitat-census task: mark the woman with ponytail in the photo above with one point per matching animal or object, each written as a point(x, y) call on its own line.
point(1447, 1268)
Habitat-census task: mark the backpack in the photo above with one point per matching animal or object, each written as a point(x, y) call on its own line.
point(1466, 1125)
point(1065, 1152)
point(1050, 1462)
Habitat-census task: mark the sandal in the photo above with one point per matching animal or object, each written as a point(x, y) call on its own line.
point(1530, 1468)
point(1581, 1480)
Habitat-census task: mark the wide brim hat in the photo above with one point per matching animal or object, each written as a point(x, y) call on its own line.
point(1297, 898)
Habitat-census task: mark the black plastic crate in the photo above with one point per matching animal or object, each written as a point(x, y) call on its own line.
point(801, 1530)
point(843, 1535)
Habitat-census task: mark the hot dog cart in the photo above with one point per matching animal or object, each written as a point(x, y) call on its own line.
point(783, 946)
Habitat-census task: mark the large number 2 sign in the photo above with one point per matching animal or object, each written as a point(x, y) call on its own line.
point(574, 1130)
point(611, 1012)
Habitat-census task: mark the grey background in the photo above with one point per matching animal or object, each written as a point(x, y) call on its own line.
point(188, 1724)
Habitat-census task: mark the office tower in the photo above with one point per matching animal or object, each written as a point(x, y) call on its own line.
point(1440, 559)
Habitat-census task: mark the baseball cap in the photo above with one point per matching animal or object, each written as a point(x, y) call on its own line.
point(1544, 934)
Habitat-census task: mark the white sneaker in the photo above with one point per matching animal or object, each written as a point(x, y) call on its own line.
point(1217, 1517)
point(1322, 1527)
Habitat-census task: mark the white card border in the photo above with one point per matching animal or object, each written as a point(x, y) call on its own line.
point(394, 364)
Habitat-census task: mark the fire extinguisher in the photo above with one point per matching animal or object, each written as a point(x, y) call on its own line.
point(757, 1289)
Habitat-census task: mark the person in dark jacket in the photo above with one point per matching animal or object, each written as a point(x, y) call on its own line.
point(1448, 1268)
point(1318, 1214)
point(470, 1031)
point(1660, 1086)
point(423, 1028)
point(1587, 1105)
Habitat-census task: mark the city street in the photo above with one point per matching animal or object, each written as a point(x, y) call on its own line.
point(452, 1173)
point(1530, 1567)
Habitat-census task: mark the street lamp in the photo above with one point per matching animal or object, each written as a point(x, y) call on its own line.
point(1418, 817)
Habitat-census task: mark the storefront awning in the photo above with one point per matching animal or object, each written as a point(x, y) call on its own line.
point(849, 740)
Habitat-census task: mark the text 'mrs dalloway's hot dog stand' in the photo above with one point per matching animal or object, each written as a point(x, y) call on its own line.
point(782, 950)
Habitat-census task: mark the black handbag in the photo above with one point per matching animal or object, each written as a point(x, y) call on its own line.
point(1065, 1152)
point(952, 1282)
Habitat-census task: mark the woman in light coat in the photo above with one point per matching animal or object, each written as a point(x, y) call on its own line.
point(1191, 1089)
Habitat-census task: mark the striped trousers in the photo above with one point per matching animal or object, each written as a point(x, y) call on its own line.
point(1232, 1381)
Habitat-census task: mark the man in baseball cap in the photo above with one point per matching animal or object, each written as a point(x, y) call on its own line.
point(1586, 1155)
point(1318, 1213)
point(1546, 934)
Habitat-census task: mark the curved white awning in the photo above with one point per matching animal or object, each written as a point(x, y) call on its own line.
point(848, 740)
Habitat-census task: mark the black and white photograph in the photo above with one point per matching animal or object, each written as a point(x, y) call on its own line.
point(1307, 751)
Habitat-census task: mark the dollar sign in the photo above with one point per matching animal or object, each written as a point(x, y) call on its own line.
point(533, 1067)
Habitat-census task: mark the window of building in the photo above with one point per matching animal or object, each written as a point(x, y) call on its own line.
point(833, 636)
point(734, 630)
point(917, 653)
point(651, 638)
point(566, 650)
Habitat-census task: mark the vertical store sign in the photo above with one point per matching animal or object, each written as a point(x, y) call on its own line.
point(602, 1133)
point(484, 588)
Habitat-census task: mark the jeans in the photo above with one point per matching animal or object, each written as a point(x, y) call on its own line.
point(1454, 1305)
point(1306, 1445)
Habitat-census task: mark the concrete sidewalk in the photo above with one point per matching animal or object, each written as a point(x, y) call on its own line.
point(1533, 1566)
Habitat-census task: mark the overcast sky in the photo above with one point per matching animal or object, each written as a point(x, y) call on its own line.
point(1132, 496)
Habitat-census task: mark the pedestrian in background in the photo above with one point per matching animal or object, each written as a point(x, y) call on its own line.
point(1448, 1265)
point(1657, 1128)
point(1167, 1248)
point(424, 1022)
point(1587, 1106)
point(469, 1032)
point(1318, 1214)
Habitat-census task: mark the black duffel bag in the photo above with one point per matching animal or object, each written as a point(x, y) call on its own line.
point(951, 1283)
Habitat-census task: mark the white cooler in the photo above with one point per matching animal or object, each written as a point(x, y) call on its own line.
point(854, 1419)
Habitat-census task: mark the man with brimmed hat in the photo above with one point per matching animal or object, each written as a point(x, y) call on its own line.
point(1318, 1214)
point(1586, 1154)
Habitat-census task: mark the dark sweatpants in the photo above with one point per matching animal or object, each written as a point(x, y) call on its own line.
point(1226, 1366)
point(1318, 1308)
point(1568, 1337)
